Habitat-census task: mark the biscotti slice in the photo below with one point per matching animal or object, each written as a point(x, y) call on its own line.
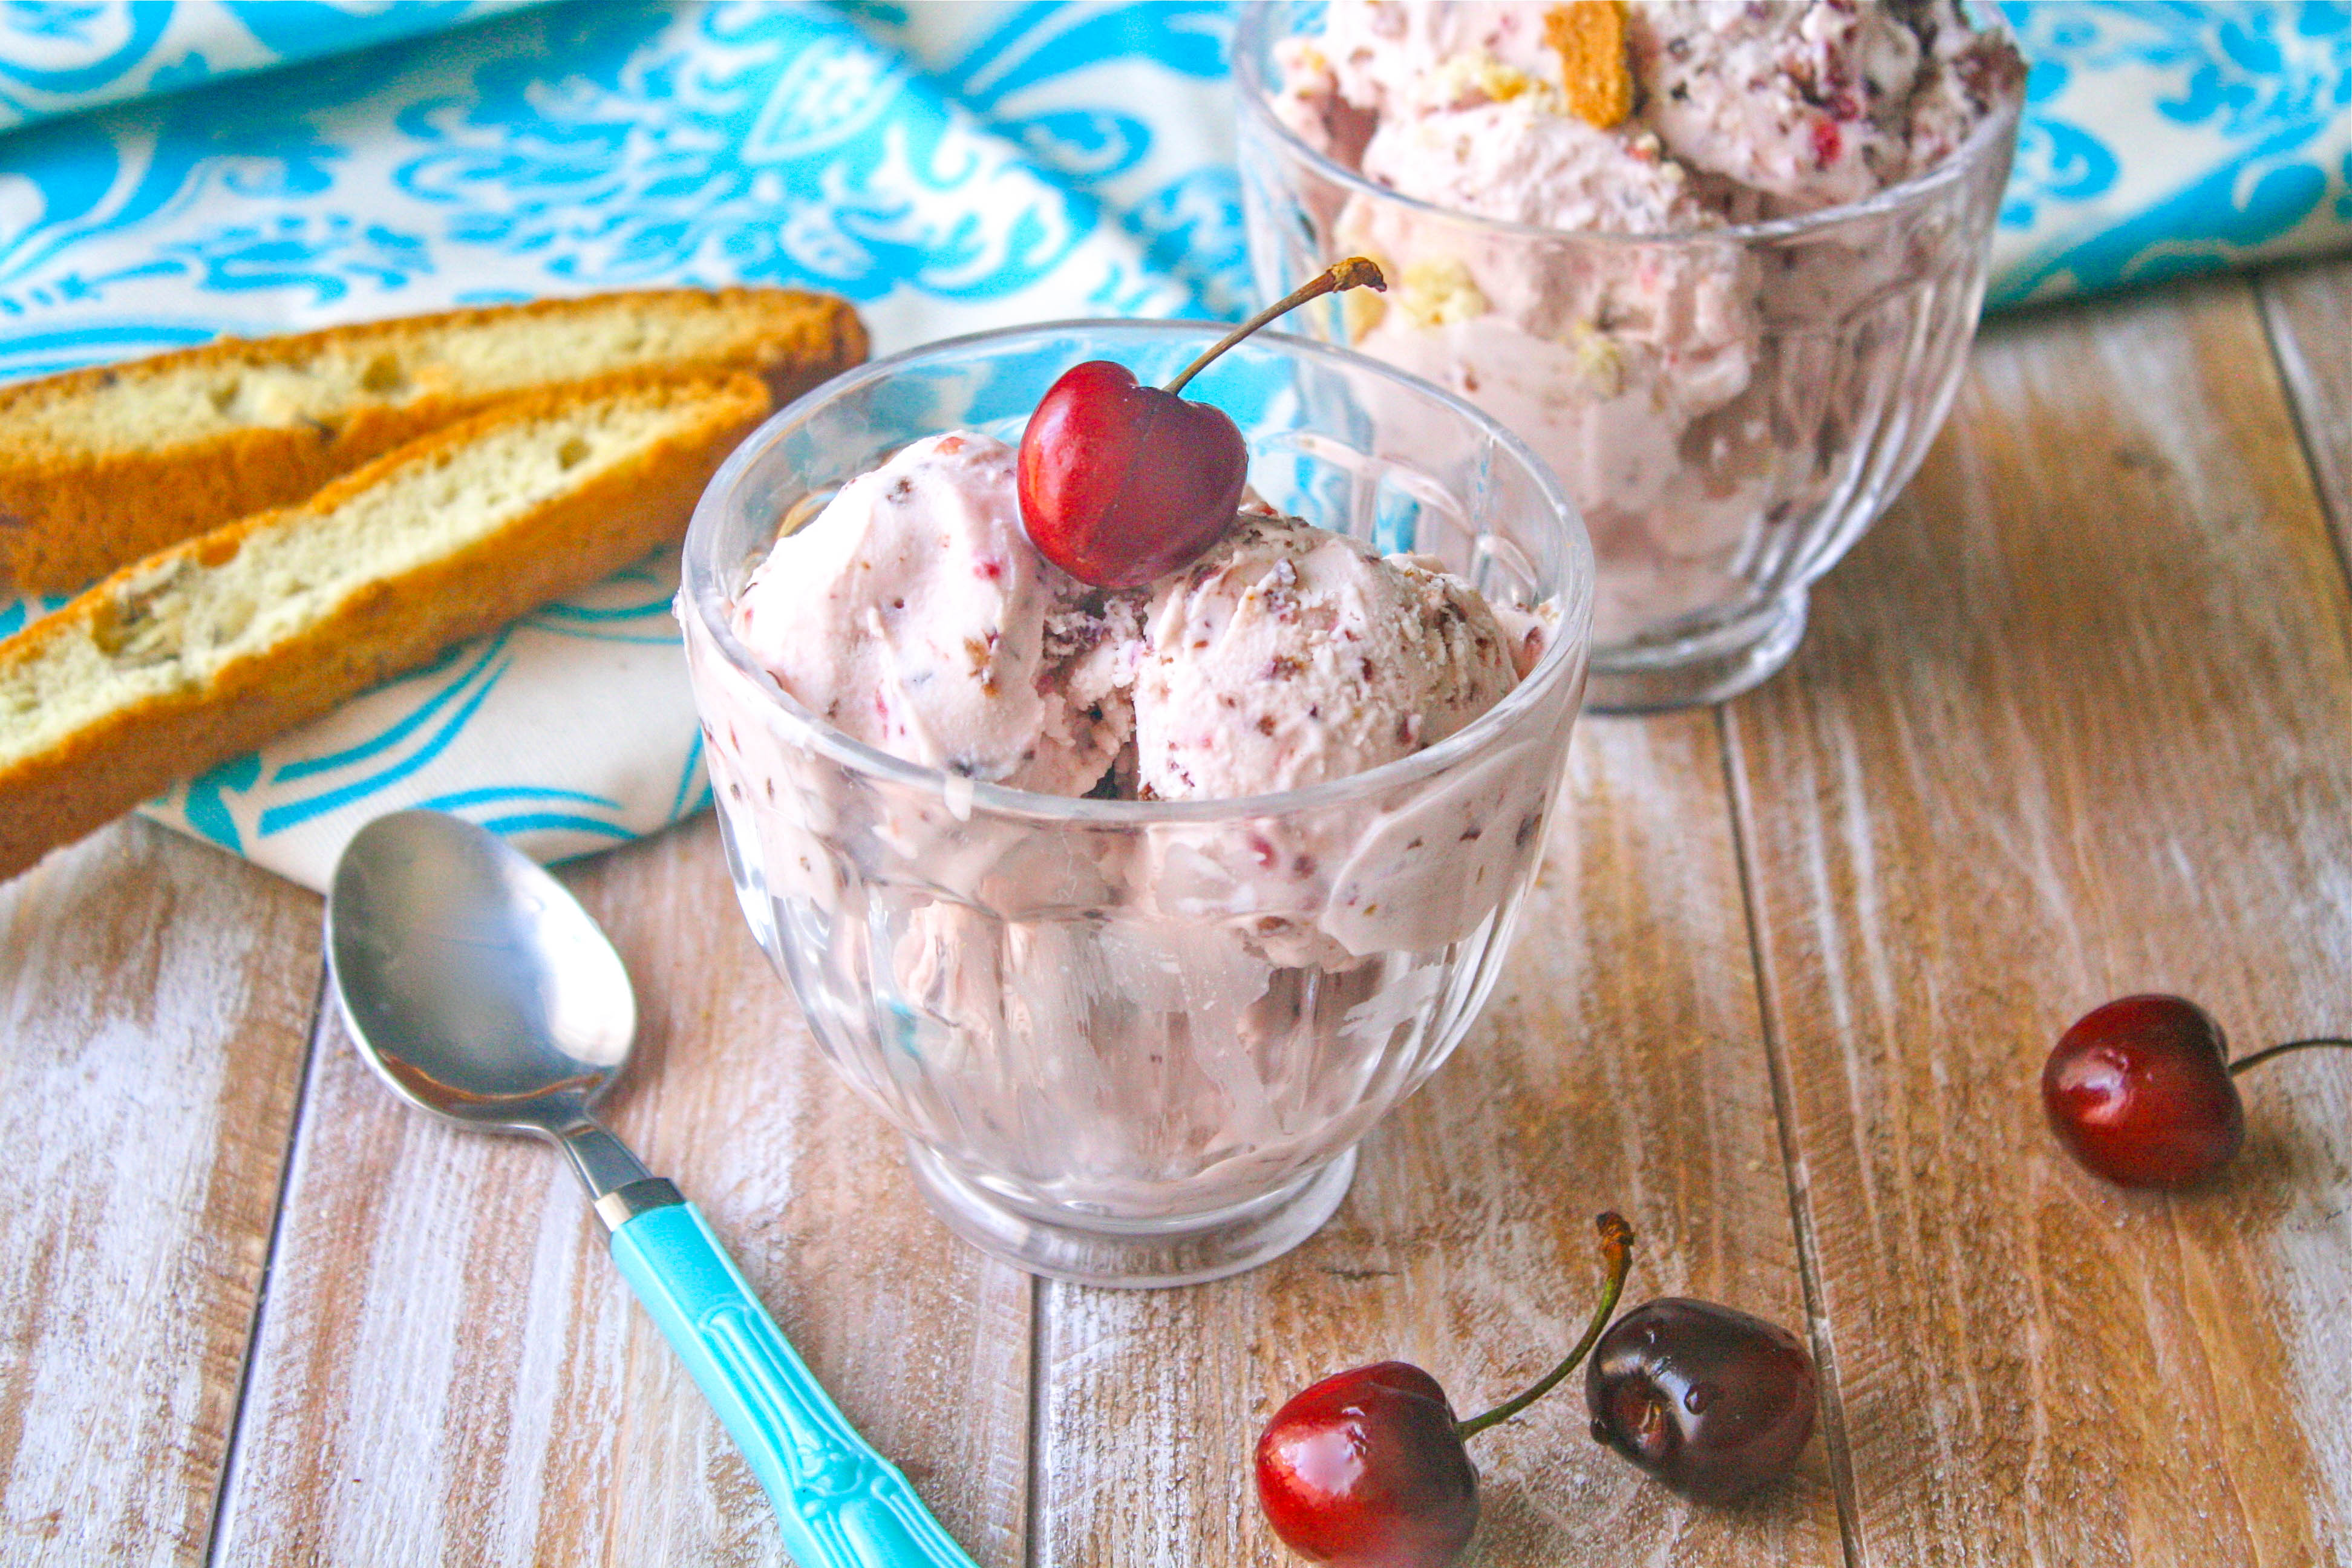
point(98, 468)
point(205, 650)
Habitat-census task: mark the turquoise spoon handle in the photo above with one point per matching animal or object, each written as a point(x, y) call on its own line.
point(840, 1504)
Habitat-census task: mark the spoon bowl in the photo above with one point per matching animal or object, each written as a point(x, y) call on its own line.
point(479, 987)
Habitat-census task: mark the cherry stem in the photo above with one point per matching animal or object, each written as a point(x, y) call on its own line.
point(1355, 272)
point(1617, 1247)
point(2242, 1063)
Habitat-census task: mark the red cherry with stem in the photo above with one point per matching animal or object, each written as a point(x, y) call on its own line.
point(1709, 1400)
point(2139, 1091)
point(1122, 484)
point(2142, 1091)
point(1366, 1470)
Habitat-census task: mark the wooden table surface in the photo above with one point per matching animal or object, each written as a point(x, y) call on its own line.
point(2074, 720)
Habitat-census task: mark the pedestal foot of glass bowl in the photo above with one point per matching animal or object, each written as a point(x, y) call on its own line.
point(1133, 1254)
point(1710, 665)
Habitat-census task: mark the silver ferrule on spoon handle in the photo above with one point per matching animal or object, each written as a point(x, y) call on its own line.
point(619, 1206)
point(619, 1186)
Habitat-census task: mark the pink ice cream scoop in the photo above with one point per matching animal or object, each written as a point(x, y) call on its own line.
point(1800, 107)
point(912, 614)
point(1290, 656)
point(1742, 111)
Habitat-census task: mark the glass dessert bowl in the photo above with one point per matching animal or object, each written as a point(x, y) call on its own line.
point(1134, 1042)
point(1730, 405)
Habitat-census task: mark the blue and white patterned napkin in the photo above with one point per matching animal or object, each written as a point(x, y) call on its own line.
point(947, 167)
point(63, 57)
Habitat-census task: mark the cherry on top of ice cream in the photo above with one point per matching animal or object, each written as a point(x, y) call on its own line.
point(1122, 484)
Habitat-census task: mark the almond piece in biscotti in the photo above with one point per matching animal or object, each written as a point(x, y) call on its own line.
point(1597, 79)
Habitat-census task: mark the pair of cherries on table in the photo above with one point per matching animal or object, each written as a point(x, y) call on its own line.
point(1368, 1469)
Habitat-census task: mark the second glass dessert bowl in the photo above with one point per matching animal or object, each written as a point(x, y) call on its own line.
point(1728, 407)
point(1136, 1042)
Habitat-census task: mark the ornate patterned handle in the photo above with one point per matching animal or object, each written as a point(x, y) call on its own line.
point(840, 1504)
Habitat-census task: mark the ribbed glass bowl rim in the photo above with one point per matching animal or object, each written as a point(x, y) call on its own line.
point(1252, 38)
point(701, 595)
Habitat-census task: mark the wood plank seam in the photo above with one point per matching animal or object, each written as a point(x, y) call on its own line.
point(2302, 396)
point(1040, 1397)
point(1800, 1214)
point(318, 1042)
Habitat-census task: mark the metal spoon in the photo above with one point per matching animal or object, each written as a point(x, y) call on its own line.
point(482, 992)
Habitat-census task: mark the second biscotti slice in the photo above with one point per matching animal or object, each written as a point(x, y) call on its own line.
point(101, 466)
point(201, 652)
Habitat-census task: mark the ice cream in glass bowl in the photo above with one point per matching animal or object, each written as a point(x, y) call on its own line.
point(1134, 910)
point(1718, 263)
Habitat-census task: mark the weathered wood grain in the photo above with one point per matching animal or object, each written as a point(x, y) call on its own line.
point(155, 1000)
point(2309, 308)
point(1619, 1065)
point(2075, 720)
point(449, 1369)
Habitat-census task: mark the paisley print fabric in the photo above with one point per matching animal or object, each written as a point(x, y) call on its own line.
point(276, 165)
point(2164, 139)
point(60, 57)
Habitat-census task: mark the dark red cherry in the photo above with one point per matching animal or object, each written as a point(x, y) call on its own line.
point(2139, 1091)
point(1709, 1400)
point(1365, 1471)
point(1121, 484)
point(2142, 1091)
